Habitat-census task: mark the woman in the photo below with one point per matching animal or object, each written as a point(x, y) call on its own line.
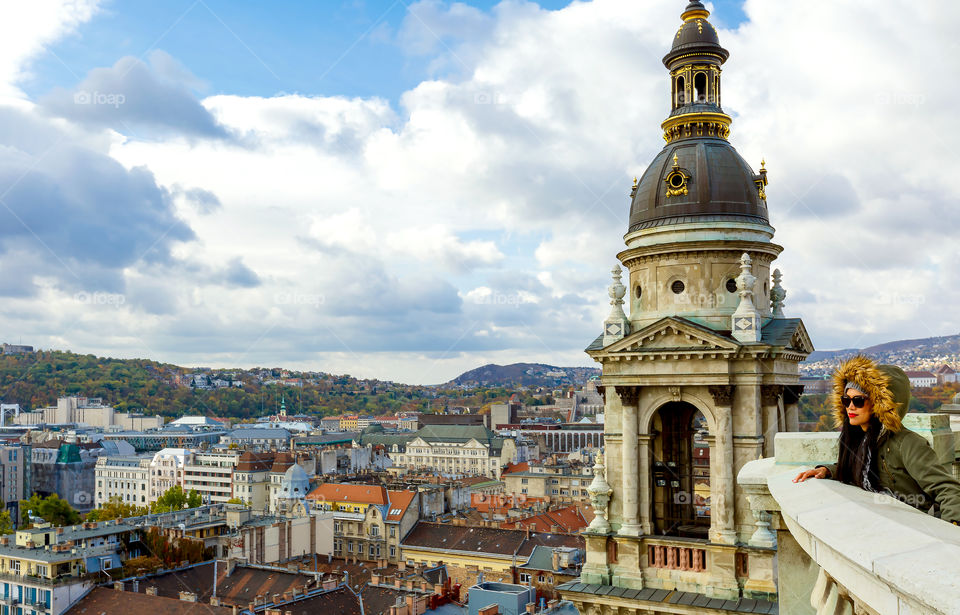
point(877, 452)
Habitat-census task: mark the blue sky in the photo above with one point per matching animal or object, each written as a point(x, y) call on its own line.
point(256, 48)
point(409, 190)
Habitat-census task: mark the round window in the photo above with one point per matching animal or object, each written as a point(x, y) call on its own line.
point(677, 287)
point(638, 291)
point(676, 180)
point(731, 285)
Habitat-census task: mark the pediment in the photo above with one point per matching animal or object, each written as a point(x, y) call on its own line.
point(673, 334)
point(801, 340)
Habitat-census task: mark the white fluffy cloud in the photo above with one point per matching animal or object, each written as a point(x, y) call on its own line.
point(478, 219)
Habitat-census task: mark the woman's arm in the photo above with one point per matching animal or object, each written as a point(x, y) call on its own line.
point(933, 477)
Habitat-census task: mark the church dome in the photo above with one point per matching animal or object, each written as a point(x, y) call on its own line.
point(695, 35)
point(697, 180)
point(295, 483)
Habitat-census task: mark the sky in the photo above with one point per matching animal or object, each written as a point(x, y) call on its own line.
point(407, 190)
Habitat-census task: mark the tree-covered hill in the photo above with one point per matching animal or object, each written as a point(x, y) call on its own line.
point(37, 379)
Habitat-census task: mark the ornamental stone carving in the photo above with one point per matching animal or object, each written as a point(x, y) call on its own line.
point(769, 393)
point(722, 394)
point(600, 492)
point(628, 395)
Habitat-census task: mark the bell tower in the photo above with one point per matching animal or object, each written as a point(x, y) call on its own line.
point(699, 372)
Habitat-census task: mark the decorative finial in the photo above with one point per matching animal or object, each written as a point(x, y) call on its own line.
point(763, 165)
point(617, 325)
point(745, 322)
point(675, 162)
point(777, 295)
point(633, 189)
point(599, 491)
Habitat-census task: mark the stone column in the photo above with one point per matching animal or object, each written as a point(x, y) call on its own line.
point(791, 401)
point(770, 411)
point(646, 522)
point(721, 471)
point(629, 460)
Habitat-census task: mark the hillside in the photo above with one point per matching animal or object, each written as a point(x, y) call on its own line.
point(37, 379)
point(919, 354)
point(525, 374)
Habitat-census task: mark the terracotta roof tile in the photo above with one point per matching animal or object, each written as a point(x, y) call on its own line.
point(399, 502)
point(106, 600)
point(360, 494)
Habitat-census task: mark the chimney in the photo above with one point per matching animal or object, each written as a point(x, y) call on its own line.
point(375, 578)
point(493, 609)
point(401, 565)
point(233, 610)
point(531, 607)
point(214, 601)
point(555, 560)
point(118, 585)
point(152, 590)
point(188, 596)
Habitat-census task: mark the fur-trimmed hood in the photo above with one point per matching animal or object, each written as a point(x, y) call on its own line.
point(887, 386)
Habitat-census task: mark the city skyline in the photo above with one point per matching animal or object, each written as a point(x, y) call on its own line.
point(457, 203)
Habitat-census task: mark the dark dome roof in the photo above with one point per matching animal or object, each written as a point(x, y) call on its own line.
point(696, 35)
point(720, 186)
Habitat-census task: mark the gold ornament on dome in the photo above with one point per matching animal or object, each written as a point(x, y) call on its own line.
point(676, 180)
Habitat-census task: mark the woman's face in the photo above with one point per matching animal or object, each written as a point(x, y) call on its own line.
point(858, 416)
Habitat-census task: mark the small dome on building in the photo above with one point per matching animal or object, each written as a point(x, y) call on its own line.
point(295, 483)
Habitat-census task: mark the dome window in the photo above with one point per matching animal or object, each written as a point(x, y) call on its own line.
point(681, 91)
point(638, 291)
point(700, 87)
point(731, 285)
point(677, 287)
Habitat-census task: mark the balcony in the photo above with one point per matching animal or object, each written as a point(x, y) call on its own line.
point(844, 550)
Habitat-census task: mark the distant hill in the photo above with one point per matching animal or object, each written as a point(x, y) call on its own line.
point(925, 353)
point(525, 374)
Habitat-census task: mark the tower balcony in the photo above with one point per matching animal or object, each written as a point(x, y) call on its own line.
point(841, 549)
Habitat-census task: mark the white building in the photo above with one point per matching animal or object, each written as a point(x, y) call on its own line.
point(211, 475)
point(126, 477)
point(88, 411)
point(921, 379)
point(166, 470)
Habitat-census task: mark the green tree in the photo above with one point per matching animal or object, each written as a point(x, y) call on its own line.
point(175, 498)
point(116, 508)
point(6, 523)
point(52, 509)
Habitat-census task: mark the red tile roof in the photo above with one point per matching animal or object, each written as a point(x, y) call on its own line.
point(358, 494)
point(516, 467)
point(399, 502)
point(107, 600)
point(569, 520)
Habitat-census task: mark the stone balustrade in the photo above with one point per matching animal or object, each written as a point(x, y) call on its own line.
point(842, 550)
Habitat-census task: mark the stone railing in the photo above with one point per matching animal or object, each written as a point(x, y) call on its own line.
point(842, 550)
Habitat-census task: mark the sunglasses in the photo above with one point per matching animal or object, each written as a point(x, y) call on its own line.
point(858, 401)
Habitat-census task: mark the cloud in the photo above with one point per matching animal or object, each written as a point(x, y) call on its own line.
point(134, 96)
point(478, 219)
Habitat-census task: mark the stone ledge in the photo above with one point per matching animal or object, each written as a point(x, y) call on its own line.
point(892, 557)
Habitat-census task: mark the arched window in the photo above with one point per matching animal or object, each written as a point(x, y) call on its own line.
point(681, 472)
point(700, 87)
point(681, 91)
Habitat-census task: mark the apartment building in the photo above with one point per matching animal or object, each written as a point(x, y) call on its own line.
point(211, 475)
point(166, 470)
point(453, 450)
point(126, 477)
point(368, 520)
point(559, 483)
point(251, 479)
point(13, 478)
point(90, 411)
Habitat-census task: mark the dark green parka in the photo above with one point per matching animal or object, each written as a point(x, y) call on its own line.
point(907, 465)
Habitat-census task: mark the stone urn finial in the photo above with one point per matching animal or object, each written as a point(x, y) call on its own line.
point(777, 294)
point(600, 493)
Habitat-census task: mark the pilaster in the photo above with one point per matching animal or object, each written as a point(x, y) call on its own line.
point(630, 466)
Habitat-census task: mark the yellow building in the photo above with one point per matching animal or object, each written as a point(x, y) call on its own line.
point(368, 520)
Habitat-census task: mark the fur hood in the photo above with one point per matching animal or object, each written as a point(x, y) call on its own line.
point(886, 385)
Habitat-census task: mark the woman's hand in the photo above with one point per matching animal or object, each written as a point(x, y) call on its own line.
point(820, 472)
